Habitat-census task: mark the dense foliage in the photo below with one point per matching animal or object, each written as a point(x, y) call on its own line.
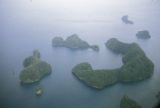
point(32, 59)
point(95, 78)
point(126, 102)
point(72, 42)
point(136, 66)
point(34, 69)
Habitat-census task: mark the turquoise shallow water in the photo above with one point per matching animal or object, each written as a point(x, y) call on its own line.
point(25, 26)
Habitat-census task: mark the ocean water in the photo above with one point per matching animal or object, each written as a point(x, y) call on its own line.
point(26, 25)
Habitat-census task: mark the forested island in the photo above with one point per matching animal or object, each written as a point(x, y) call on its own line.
point(126, 102)
point(95, 78)
point(144, 34)
point(126, 20)
point(73, 42)
point(136, 67)
point(34, 69)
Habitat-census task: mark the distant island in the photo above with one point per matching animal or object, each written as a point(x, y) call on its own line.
point(34, 69)
point(38, 91)
point(144, 34)
point(136, 67)
point(126, 102)
point(73, 42)
point(126, 20)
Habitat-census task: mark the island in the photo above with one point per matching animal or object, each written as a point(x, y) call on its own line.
point(95, 78)
point(73, 42)
point(144, 34)
point(136, 67)
point(126, 20)
point(34, 69)
point(126, 102)
point(38, 91)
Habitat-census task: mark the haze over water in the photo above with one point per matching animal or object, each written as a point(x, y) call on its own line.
point(27, 25)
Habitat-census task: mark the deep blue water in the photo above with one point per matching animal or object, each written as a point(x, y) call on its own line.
point(26, 25)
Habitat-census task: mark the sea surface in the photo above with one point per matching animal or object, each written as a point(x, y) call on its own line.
point(26, 25)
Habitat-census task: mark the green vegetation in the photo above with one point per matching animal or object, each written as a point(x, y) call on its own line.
point(32, 59)
point(143, 34)
point(72, 42)
point(34, 69)
point(136, 66)
point(126, 102)
point(95, 78)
